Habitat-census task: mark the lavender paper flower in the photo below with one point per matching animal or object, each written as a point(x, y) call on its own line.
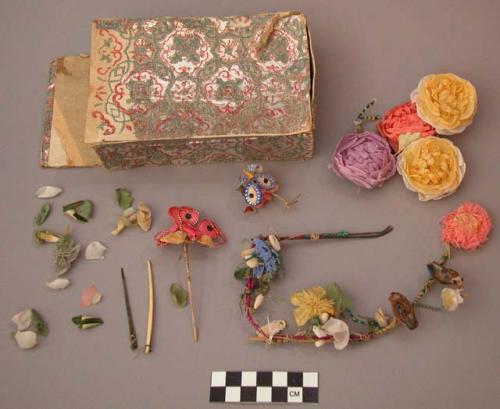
point(363, 158)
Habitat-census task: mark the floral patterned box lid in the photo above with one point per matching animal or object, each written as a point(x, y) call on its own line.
point(199, 77)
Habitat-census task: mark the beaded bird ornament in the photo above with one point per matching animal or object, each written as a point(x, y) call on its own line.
point(324, 314)
point(187, 228)
point(259, 188)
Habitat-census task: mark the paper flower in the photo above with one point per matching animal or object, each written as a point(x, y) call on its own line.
point(269, 261)
point(186, 226)
point(335, 328)
point(445, 101)
point(363, 158)
point(402, 119)
point(433, 167)
point(467, 227)
point(311, 303)
point(451, 298)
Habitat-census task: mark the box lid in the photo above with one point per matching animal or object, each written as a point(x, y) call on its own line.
point(199, 77)
point(64, 119)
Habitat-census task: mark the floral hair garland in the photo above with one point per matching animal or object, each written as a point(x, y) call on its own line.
point(323, 314)
point(430, 165)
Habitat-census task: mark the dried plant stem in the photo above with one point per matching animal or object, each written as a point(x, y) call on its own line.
point(187, 273)
point(149, 331)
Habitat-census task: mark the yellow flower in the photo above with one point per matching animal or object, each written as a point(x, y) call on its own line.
point(445, 101)
point(310, 303)
point(433, 167)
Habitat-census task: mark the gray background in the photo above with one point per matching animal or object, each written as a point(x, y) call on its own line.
point(364, 50)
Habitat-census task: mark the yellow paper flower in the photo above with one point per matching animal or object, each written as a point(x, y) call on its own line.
point(433, 167)
point(310, 303)
point(445, 101)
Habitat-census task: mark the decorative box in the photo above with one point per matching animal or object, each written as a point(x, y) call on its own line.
point(200, 89)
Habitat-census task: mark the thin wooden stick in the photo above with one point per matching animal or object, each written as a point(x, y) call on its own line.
point(190, 292)
point(130, 319)
point(149, 332)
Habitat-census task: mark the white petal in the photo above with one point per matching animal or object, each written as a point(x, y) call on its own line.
point(26, 339)
point(95, 251)
point(58, 284)
point(246, 252)
point(48, 192)
point(323, 317)
point(22, 319)
point(275, 243)
point(340, 332)
point(258, 301)
point(341, 340)
point(253, 262)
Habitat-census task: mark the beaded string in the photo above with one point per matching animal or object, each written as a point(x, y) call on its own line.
point(425, 289)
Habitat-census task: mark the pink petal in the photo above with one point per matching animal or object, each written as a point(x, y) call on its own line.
point(90, 296)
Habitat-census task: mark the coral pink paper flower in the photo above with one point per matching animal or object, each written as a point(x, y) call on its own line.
point(187, 227)
point(402, 119)
point(467, 227)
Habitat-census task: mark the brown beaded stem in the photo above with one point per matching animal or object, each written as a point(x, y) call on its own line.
point(342, 234)
point(425, 289)
point(187, 273)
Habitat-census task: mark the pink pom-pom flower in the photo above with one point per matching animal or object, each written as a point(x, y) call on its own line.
point(467, 227)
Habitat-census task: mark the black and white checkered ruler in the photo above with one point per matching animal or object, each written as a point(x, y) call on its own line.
point(264, 387)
